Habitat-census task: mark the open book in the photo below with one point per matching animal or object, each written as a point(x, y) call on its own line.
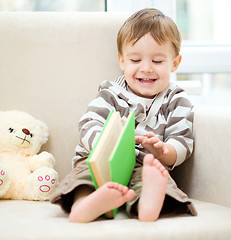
point(113, 156)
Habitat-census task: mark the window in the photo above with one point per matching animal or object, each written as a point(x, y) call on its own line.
point(204, 20)
point(52, 5)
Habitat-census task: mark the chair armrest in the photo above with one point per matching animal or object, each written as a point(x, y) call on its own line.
point(206, 175)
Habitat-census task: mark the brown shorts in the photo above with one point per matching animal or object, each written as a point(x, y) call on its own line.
point(80, 175)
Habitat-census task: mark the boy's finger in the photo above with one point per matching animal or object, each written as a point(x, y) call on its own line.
point(153, 140)
point(165, 152)
point(139, 139)
point(158, 144)
point(150, 134)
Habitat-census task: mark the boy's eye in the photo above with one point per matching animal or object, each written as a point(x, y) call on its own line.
point(135, 60)
point(157, 62)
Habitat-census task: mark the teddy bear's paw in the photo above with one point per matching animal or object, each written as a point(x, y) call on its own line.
point(44, 159)
point(43, 181)
point(4, 180)
point(48, 158)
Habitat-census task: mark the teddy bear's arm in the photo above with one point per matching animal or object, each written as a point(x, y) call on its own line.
point(44, 159)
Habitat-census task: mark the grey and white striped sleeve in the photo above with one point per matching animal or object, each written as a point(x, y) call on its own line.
point(178, 130)
point(91, 123)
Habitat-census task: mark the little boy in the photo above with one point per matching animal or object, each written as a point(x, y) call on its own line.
point(148, 51)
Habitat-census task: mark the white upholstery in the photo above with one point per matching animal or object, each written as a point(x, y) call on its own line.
point(50, 66)
point(41, 220)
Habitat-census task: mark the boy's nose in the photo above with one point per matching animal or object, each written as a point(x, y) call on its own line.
point(147, 68)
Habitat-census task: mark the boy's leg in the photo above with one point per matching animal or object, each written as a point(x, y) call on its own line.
point(154, 183)
point(89, 205)
point(76, 195)
point(68, 187)
point(80, 193)
point(174, 199)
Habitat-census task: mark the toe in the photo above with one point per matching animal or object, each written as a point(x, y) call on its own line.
point(148, 159)
point(110, 184)
point(165, 173)
point(120, 187)
point(162, 169)
point(130, 195)
point(158, 165)
point(124, 190)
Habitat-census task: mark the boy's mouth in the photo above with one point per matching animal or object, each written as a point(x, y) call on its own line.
point(146, 80)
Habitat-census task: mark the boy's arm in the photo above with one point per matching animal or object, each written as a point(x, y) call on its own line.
point(177, 144)
point(178, 132)
point(169, 159)
point(92, 122)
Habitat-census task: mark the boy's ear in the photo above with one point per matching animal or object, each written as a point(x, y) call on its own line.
point(121, 61)
point(176, 62)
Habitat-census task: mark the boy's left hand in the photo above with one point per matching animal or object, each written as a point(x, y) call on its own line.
point(153, 145)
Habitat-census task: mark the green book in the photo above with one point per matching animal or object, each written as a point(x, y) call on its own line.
point(113, 156)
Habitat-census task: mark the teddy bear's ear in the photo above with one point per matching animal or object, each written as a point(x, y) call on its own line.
point(44, 131)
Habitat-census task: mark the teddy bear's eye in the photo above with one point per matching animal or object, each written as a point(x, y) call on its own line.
point(11, 130)
point(31, 135)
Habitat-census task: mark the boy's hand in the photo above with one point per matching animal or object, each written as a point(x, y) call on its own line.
point(153, 145)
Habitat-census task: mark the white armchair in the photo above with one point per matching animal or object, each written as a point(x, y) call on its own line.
point(50, 66)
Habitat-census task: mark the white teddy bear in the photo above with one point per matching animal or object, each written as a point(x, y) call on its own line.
point(24, 174)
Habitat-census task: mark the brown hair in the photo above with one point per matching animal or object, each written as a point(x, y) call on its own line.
point(149, 20)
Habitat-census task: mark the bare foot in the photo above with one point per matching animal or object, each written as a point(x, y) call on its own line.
point(106, 198)
point(155, 178)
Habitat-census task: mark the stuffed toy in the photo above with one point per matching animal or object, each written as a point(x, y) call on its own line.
point(25, 174)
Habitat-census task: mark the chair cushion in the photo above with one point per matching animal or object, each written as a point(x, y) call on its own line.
point(42, 220)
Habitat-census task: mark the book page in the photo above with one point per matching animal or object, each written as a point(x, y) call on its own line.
point(99, 158)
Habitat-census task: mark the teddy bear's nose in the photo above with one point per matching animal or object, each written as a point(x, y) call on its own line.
point(26, 131)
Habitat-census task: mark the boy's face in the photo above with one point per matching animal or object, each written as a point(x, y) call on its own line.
point(147, 65)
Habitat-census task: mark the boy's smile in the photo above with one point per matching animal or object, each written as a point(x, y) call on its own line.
point(147, 65)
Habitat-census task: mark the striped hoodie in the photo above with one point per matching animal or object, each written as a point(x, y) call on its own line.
point(169, 115)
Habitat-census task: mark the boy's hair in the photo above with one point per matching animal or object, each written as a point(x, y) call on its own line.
point(149, 20)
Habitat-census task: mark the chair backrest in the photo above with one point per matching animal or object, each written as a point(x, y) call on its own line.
point(51, 65)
